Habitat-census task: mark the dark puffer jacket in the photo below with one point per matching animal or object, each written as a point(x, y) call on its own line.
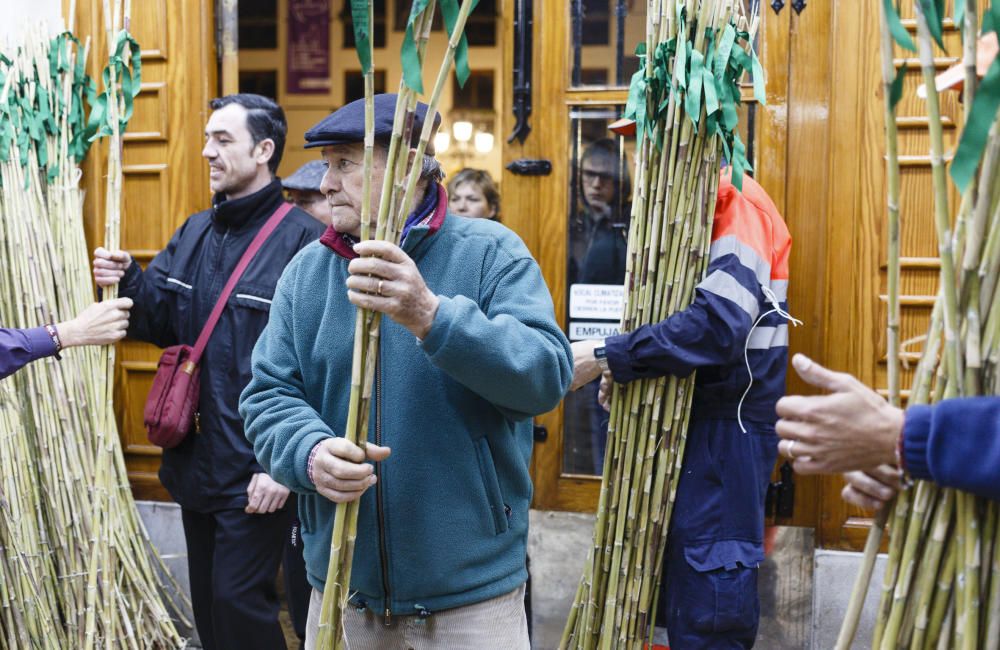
point(210, 470)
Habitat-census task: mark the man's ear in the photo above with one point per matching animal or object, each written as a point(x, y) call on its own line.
point(266, 151)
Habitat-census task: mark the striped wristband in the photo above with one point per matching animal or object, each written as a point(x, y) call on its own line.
point(309, 463)
point(54, 335)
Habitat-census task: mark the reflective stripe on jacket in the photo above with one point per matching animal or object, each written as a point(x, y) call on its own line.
point(748, 259)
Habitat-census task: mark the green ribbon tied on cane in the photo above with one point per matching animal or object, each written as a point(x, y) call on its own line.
point(982, 116)
point(410, 56)
point(933, 11)
point(129, 76)
point(450, 11)
point(896, 29)
point(707, 85)
point(362, 39)
point(35, 108)
point(902, 38)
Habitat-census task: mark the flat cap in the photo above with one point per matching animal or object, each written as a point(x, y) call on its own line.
point(306, 178)
point(346, 125)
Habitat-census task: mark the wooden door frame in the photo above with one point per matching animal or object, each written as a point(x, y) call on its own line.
point(538, 205)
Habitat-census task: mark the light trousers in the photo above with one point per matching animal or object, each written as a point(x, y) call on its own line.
point(496, 623)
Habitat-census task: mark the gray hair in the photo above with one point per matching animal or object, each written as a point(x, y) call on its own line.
point(430, 170)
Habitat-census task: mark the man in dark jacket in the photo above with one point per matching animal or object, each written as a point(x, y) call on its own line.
point(234, 519)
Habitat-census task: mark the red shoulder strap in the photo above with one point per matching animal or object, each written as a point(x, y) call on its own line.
point(220, 304)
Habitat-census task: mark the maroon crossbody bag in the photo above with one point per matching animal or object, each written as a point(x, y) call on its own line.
point(172, 403)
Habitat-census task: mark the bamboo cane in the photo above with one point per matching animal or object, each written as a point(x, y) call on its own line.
point(93, 582)
point(941, 576)
point(397, 195)
point(669, 238)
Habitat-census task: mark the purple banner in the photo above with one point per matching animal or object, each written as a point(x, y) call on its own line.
point(308, 47)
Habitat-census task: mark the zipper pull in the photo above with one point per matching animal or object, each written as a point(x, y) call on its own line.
point(388, 617)
point(197, 421)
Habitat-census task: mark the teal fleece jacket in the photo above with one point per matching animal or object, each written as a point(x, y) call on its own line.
point(456, 410)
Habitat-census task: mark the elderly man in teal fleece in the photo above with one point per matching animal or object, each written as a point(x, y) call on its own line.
point(470, 351)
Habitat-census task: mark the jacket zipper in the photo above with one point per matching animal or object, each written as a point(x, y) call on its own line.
point(378, 494)
point(218, 267)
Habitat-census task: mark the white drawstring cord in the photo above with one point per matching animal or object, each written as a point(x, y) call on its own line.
point(776, 309)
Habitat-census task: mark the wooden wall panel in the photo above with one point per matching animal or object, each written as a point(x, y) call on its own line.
point(150, 121)
point(164, 176)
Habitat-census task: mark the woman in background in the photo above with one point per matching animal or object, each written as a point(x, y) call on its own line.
point(472, 193)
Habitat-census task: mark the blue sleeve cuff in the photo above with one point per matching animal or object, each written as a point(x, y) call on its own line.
point(41, 344)
point(619, 363)
point(916, 437)
point(440, 328)
point(129, 285)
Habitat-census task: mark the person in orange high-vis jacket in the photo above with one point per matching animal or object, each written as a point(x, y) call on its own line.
point(736, 327)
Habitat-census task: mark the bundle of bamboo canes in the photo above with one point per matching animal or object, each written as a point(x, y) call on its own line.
point(77, 569)
point(402, 172)
point(942, 583)
point(684, 101)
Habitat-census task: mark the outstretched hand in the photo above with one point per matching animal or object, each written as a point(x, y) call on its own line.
point(852, 428)
point(99, 324)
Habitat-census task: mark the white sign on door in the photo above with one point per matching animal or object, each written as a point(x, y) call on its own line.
point(579, 330)
point(600, 301)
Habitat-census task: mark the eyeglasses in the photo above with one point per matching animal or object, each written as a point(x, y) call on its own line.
point(589, 176)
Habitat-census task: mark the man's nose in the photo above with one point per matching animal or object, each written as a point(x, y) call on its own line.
point(327, 184)
point(208, 151)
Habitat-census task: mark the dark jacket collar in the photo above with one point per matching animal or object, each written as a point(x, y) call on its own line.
point(430, 214)
point(246, 211)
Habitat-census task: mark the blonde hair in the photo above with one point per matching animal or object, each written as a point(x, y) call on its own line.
point(481, 179)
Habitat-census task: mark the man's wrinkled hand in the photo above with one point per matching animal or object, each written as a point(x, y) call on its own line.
point(265, 495)
point(386, 279)
point(340, 469)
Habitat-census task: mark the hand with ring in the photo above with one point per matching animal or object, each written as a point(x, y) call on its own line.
point(851, 428)
point(386, 279)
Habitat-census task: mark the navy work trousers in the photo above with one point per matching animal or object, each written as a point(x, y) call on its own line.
point(233, 563)
point(708, 596)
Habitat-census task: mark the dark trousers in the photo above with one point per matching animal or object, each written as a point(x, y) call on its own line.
point(293, 565)
point(233, 562)
point(708, 595)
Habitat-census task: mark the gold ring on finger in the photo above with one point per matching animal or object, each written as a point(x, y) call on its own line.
point(378, 291)
point(788, 449)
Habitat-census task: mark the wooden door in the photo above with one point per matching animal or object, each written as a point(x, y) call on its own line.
point(165, 177)
point(581, 65)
